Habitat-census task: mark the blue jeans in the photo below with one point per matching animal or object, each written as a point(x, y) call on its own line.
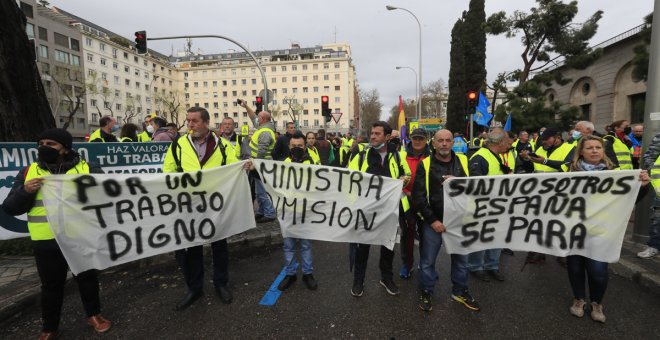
point(431, 242)
point(654, 230)
point(266, 208)
point(305, 255)
point(596, 272)
point(488, 259)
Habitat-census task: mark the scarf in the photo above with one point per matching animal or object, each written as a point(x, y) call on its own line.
point(591, 167)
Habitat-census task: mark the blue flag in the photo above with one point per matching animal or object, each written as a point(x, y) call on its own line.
point(482, 117)
point(507, 125)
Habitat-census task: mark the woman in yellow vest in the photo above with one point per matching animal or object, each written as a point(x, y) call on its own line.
point(55, 156)
point(311, 148)
point(590, 156)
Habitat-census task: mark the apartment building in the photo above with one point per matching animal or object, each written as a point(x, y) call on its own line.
point(297, 78)
point(60, 63)
point(120, 82)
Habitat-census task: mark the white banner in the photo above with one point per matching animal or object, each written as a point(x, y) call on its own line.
point(103, 220)
point(332, 204)
point(577, 213)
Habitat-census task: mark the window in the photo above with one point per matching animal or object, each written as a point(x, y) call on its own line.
point(254, 81)
point(103, 61)
point(137, 72)
point(294, 67)
point(215, 83)
point(316, 100)
point(117, 80)
point(45, 68)
point(104, 76)
point(234, 93)
point(92, 102)
point(316, 89)
point(305, 89)
point(305, 101)
point(316, 111)
point(61, 40)
point(337, 76)
point(294, 79)
point(234, 82)
point(117, 93)
point(304, 67)
point(326, 89)
point(243, 82)
point(206, 84)
point(118, 107)
point(102, 46)
point(337, 88)
point(284, 79)
point(235, 114)
point(304, 78)
point(315, 66)
point(305, 124)
point(283, 68)
point(245, 115)
point(61, 56)
point(127, 69)
point(326, 66)
point(114, 52)
point(196, 84)
point(29, 29)
point(315, 78)
point(284, 90)
point(337, 100)
point(294, 90)
point(273, 68)
point(273, 80)
point(316, 122)
point(136, 60)
point(43, 51)
point(43, 34)
point(127, 82)
point(336, 65)
point(226, 114)
point(90, 58)
point(305, 112)
point(75, 45)
point(75, 60)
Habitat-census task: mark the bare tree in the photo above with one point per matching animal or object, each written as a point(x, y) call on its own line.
point(432, 96)
point(170, 106)
point(70, 94)
point(370, 107)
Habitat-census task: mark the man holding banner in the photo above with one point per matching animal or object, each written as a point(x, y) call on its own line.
point(380, 159)
point(298, 154)
point(487, 162)
point(56, 156)
point(428, 200)
point(197, 150)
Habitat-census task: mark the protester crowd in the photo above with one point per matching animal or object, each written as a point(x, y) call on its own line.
point(423, 165)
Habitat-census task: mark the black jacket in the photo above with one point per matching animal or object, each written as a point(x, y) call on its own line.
point(432, 207)
point(19, 201)
point(281, 148)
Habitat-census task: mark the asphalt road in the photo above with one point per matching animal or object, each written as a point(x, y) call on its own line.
point(531, 304)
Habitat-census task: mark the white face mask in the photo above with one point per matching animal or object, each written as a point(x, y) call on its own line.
point(150, 129)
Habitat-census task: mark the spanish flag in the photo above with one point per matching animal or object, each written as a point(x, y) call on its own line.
point(402, 115)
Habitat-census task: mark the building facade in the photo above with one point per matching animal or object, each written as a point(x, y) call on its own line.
point(297, 78)
point(112, 79)
point(60, 63)
point(606, 91)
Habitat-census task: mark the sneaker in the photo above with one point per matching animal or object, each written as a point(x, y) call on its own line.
point(310, 282)
point(425, 301)
point(577, 308)
point(481, 275)
point(286, 282)
point(467, 300)
point(648, 253)
point(496, 275)
point(390, 286)
point(358, 289)
point(405, 273)
point(507, 251)
point(597, 312)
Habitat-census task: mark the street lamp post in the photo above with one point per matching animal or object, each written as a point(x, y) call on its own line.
point(416, 84)
point(419, 78)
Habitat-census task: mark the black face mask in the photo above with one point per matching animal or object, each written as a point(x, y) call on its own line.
point(395, 141)
point(47, 154)
point(627, 130)
point(297, 153)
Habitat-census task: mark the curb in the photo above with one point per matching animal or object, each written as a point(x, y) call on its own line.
point(25, 292)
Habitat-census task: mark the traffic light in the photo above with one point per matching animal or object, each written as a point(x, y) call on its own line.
point(141, 42)
point(259, 103)
point(325, 108)
point(472, 102)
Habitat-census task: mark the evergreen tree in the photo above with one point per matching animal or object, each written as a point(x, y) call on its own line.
point(456, 104)
point(474, 34)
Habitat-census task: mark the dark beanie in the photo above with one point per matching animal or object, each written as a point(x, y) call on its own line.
point(59, 135)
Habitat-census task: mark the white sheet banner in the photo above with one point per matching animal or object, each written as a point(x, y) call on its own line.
point(577, 213)
point(103, 220)
point(332, 204)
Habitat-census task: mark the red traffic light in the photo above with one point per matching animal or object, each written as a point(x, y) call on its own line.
point(141, 42)
point(324, 99)
point(472, 95)
point(259, 100)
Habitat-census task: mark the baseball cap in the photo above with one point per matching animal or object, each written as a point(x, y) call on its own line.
point(418, 133)
point(549, 132)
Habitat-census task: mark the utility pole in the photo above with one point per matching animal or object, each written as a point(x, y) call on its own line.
point(651, 125)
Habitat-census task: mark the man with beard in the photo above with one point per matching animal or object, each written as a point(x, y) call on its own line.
point(428, 200)
point(55, 157)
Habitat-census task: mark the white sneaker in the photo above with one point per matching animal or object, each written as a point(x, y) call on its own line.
point(647, 253)
point(597, 312)
point(577, 308)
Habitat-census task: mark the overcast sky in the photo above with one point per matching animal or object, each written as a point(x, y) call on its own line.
point(380, 39)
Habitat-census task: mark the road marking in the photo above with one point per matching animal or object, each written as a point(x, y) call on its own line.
point(273, 293)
